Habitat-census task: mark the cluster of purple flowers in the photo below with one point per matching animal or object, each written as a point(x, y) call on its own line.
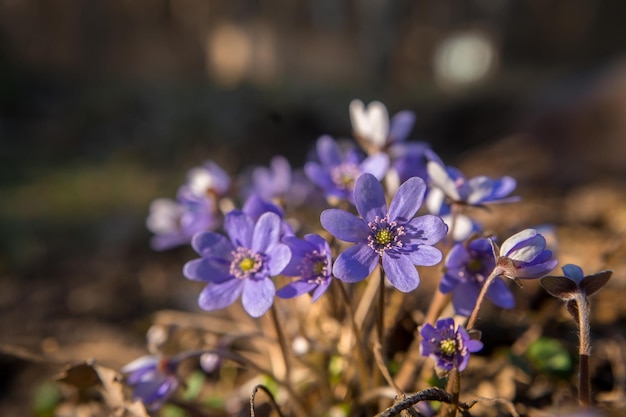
point(259, 242)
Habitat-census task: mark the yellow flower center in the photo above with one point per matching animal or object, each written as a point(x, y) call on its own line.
point(448, 347)
point(246, 264)
point(383, 237)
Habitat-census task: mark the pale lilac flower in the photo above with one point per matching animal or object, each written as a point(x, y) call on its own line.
point(273, 182)
point(474, 191)
point(208, 180)
point(153, 379)
point(466, 269)
point(174, 222)
point(524, 255)
point(311, 261)
point(240, 265)
point(373, 129)
point(387, 235)
point(336, 173)
point(450, 348)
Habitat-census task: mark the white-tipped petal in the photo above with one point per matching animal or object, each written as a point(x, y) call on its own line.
point(440, 179)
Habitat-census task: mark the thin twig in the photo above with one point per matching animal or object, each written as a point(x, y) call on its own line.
point(380, 362)
point(269, 394)
point(429, 394)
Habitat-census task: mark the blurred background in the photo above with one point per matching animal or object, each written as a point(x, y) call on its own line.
point(104, 106)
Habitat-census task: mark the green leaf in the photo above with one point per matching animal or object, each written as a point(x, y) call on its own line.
point(195, 383)
point(548, 355)
point(46, 398)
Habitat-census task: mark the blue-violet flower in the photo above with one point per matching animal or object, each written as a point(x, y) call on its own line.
point(241, 264)
point(391, 236)
point(152, 378)
point(336, 173)
point(450, 348)
point(467, 267)
point(311, 260)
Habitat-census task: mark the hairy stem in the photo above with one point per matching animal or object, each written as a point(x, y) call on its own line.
point(584, 389)
point(454, 388)
point(481, 296)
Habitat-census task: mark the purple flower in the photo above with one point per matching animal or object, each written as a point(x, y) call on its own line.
point(391, 235)
point(467, 267)
point(311, 260)
point(474, 191)
point(336, 174)
point(241, 264)
point(449, 348)
point(273, 182)
point(524, 255)
point(153, 379)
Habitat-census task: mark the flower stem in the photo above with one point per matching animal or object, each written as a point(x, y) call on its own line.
point(360, 353)
point(584, 389)
point(454, 388)
point(481, 296)
point(282, 342)
point(381, 309)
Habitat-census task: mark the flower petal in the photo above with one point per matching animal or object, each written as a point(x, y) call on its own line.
point(369, 198)
point(280, 255)
point(344, 226)
point(536, 271)
point(517, 239)
point(258, 296)
point(355, 263)
point(500, 294)
point(203, 269)
point(464, 298)
point(211, 244)
point(401, 272)
point(295, 289)
point(321, 289)
point(266, 232)
point(401, 125)
point(407, 200)
point(377, 165)
point(424, 255)
point(440, 179)
point(371, 123)
point(573, 272)
point(328, 151)
point(426, 230)
point(240, 228)
point(218, 296)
